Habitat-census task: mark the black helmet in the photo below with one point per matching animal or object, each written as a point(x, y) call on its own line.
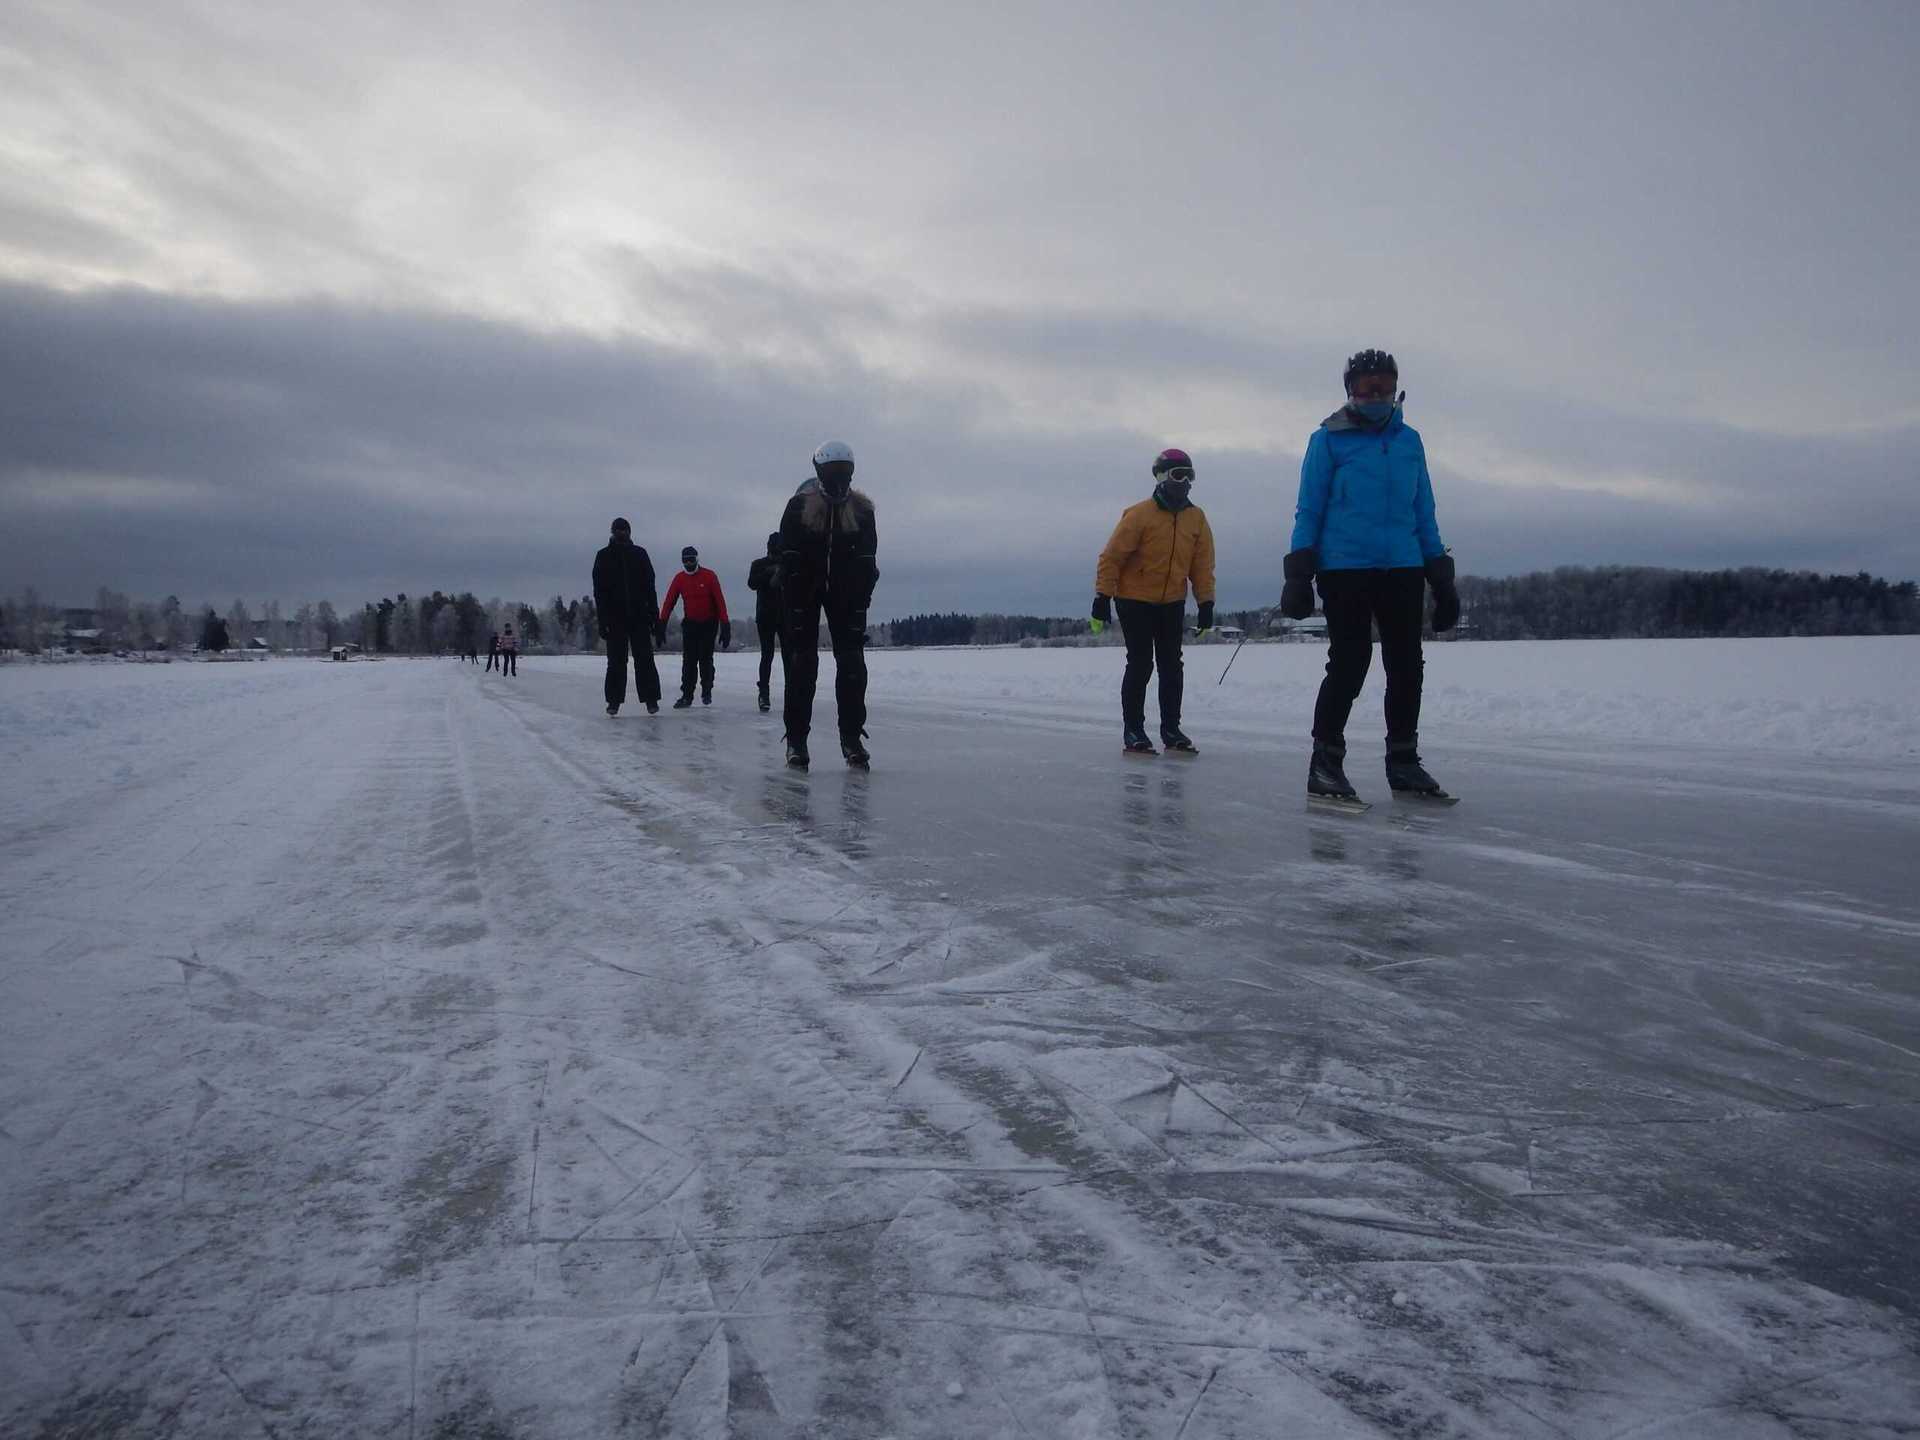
point(620, 525)
point(1368, 362)
point(687, 552)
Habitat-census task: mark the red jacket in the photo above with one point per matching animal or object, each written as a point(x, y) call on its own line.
point(701, 591)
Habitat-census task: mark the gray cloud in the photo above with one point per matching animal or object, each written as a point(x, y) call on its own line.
point(300, 450)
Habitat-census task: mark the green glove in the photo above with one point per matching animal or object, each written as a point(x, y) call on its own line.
point(1102, 613)
point(1205, 626)
point(1097, 626)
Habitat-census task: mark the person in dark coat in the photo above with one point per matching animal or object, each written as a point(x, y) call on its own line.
point(763, 578)
point(493, 650)
point(828, 546)
point(626, 598)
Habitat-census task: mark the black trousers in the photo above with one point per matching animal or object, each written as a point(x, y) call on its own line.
point(509, 662)
point(1152, 633)
point(492, 657)
point(646, 676)
point(696, 654)
point(803, 671)
point(772, 636)
point(1355, 601)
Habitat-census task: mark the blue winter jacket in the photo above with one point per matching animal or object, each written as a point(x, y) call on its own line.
point(1365, 500)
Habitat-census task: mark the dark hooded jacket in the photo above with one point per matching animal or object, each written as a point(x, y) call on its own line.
point(624, 591)
point(763, 578)
point(827, 552)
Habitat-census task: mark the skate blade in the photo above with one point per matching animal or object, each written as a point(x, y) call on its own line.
point(1426, 797)
point(1183, 754)
point(1335, 805)
point(1138, 754)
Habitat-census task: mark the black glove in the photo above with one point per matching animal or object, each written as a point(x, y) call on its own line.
point(1296, 596)
point(726, 634)
point(1102, 613)
point(603, 631)
point(660, 636)
point(1206, 617)
point(1446, 599)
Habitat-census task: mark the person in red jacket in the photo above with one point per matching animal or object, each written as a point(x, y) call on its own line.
point(706, 615)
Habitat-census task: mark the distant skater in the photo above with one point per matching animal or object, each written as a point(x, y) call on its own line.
point(763, 578)
point(627, 599)
point(828, 550)
point(706, 617)
point(509, 652)
point(493, 650)
point(1160, 547)
point(1364, 527)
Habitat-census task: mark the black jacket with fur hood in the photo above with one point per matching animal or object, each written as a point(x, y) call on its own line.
point(827, 551)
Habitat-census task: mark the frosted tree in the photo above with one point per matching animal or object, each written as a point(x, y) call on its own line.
point(239, 624)
point(329, 621)
point(276, 627)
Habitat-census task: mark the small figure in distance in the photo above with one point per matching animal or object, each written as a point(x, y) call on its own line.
point(1160, 547)
point(763, 578)
point(706, 617)
point(626, 598)
point(509, 651)
point(1364, 528)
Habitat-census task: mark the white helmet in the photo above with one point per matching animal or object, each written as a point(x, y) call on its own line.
point(832, 453)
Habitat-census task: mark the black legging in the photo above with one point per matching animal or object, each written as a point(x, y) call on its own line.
point(1355, 602)
point(771, 637)
point(803, 672)
point(696, 654)
point(509, 662)
point(1152, 633)
point(646, 675)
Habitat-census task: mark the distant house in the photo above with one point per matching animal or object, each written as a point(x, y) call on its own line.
point(256, 643)
point(1229, 634)
point(345, 652)
point(90, 641)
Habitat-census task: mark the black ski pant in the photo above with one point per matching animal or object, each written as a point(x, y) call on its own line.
point(1356, 601)
point(1152, 633)
point(772, 636)
point(509, 662)
point(492, 657)
point(646, 676)
point(803, 671)
point(696, 654)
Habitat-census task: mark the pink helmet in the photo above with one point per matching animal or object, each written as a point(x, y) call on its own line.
point(1172, 458)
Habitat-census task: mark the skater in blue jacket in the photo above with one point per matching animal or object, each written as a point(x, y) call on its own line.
point(1364, 528)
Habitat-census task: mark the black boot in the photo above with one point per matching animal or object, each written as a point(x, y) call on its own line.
point(766, 700)
point(685, 702)
point(855, 753)
point(653, 707)
point(706, 696)
point(1134, 740)
point(1326, 772)
point(796, 753)
point(613, 707)
point(1176, 743)
point(1406, 774)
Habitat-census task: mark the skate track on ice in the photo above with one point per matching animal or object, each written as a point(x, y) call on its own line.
point(394, 1050)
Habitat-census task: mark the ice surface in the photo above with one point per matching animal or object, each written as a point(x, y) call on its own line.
point(396, 1049)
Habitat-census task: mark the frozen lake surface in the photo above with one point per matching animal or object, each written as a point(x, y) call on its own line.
point(394, 1049)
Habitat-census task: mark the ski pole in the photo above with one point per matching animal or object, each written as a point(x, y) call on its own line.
point(1266, 618)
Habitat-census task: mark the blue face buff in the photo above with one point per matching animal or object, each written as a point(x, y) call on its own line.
point(1374, 412)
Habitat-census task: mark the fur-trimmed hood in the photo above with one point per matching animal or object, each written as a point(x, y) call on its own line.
point(817, 510)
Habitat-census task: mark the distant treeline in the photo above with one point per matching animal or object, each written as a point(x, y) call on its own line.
point(1625, 602)
point(1571, 603)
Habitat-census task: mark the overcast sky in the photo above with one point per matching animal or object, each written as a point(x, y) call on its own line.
point(306, 302)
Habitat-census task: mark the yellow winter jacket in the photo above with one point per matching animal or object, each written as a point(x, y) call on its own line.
point(1153, 553)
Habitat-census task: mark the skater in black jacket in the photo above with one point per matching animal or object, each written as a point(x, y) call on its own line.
point(828, 546)
point(627, 599)
point(763, 578)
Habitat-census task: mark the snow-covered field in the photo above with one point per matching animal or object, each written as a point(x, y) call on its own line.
point(394, 1049)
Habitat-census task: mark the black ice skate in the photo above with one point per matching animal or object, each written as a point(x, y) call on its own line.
point(1135, 742)
point(685, 702)
point(706, 697)
point(1327, 785)
point(855, 753)
point(653, 707)
point(1175, 742)
point(766, 700)
point(613, 709)
point(1409, 780)
point(796, 753)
